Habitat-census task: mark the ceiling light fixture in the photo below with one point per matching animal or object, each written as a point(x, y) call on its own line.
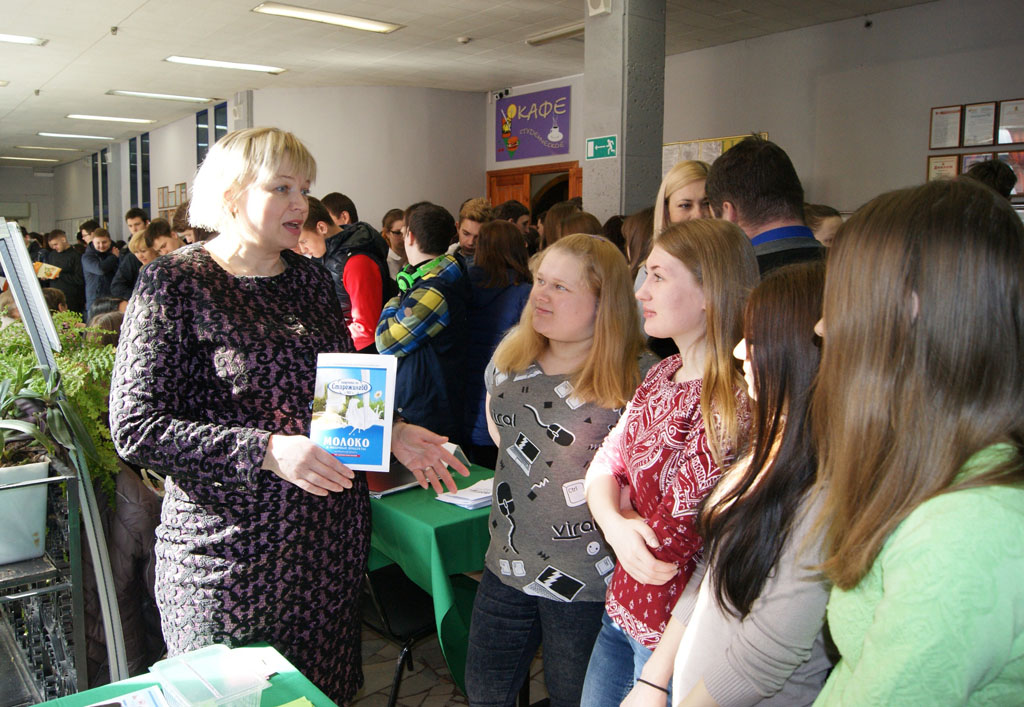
point(40, 147)
point(224, 64)
point(19, 39)
point(3, 83)
point(160, 96)
point(109, 118)
point(330, 18)
point(29, 159)
point(553, 35)
point(75, 137)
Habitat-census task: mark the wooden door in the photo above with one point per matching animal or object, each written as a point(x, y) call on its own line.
point(505, 184)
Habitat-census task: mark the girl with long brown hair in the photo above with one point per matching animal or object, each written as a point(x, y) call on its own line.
point(687, 419)
point(918, 417)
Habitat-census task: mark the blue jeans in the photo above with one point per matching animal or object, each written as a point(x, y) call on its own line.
point(615, 664)
point(507, 628)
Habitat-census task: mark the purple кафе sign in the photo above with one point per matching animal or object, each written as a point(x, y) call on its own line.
point(532, 125)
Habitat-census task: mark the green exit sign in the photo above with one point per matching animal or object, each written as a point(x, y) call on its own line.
point(600, 148)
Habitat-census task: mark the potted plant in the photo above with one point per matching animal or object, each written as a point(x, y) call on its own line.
point(39, 413)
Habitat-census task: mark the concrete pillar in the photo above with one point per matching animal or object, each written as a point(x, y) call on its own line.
point(624, 95)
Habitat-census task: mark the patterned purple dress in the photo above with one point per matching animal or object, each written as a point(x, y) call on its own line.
point(208, 366)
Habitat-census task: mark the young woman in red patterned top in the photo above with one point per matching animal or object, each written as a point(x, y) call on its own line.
point(687, 419)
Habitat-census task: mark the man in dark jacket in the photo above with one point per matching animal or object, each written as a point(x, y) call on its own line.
point(754, 185)
point(135, 220)
point(70, 281)
point(356, 257)
point(425, 326)
point(98, 265)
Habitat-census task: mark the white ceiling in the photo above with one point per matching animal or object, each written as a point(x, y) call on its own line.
point(84, 58)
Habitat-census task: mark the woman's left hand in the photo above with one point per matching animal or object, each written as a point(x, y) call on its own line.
point(423, 454)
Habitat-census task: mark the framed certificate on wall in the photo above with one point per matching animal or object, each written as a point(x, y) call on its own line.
point(943, 166)
point(1011, 122)
point(969, 160)
point(979, 123)
point(945, 127)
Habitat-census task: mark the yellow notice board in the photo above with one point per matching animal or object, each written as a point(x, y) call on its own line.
point(705, 149)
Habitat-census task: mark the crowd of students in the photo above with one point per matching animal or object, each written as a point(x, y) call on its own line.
point(722, 476)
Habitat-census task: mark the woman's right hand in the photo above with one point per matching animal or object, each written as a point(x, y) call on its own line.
point(300, 461)
point(631, 537)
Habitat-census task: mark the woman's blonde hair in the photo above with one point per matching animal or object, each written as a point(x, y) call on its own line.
point(679, 176)
point(611, 372)
point(239, 160)
point(922, 363)
point(722, 261)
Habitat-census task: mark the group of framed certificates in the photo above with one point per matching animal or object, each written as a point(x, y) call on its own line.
point(976, 125)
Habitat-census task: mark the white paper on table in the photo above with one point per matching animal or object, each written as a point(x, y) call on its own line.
point(476, 496)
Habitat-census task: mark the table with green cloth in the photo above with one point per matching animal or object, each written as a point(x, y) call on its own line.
point(434, 543)
point(286, 685)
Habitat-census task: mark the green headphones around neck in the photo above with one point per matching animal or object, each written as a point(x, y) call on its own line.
point(407, 279)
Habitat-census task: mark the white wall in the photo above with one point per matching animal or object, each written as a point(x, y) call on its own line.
point(385, 147)
point(850, 104)
point(576, 138)
point(172, 157)
point(72, 188)
point(20, 185)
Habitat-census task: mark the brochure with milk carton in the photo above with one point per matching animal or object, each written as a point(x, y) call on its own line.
point(352, 408)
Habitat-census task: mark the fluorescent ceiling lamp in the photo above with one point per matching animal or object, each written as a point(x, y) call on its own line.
point(160, 96)
point(224, 64)
point(3, 83)
point(330, 18)
point(75, 137)
point(19, 39)
point(29, 159)
point(40, 147)
point(552, 35)
point(109, 118)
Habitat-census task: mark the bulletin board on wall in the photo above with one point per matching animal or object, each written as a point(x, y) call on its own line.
point(168, 199)
point(960, 136)
point(704, 149)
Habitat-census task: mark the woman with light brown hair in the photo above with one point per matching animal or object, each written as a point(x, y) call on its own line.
point(686, 422)
point(555, 386)
point(919, 421)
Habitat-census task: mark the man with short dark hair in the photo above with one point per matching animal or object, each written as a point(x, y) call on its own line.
point(356, 257)
point(995, 174)
point(85, 234)
point(425, 326)
point(755, 186)
point(136, 219)
point(342, 209)
point(70, 281)
point(161, 238)
point(515, 212)
point(128, 265)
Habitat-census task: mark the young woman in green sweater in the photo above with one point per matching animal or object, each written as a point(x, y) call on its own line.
point(919, 422)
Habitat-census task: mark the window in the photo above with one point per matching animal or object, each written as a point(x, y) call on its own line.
point(133, 170)
point(94, 163)
point(220, 121)
point(202, 136)
point(144, 162)
point(104, 160)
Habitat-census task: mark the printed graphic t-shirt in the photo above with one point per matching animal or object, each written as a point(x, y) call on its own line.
point(544, 541)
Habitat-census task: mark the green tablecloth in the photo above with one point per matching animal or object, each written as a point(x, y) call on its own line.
point(287, 685)
point(432, 541)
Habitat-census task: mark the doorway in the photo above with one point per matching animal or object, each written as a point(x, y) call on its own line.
point(538, 187)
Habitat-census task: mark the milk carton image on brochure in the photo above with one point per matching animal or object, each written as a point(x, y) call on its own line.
point(353, 399)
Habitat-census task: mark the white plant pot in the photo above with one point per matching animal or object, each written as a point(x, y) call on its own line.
point(23, 513)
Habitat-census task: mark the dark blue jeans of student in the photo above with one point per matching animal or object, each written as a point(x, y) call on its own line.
point(507, 628)
point(615, 664)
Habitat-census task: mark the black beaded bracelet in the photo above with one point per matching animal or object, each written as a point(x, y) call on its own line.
point(651, 684)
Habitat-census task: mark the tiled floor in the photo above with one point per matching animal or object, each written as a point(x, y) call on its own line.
point(428, 684)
